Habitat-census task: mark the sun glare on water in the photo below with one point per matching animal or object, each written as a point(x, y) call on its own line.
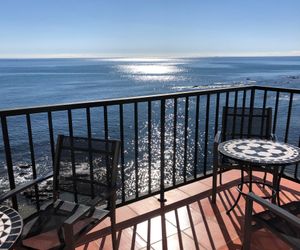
point(152, 69)
point(151, 72)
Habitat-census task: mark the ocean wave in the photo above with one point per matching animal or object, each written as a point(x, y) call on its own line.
point(215, 86)
point(286, 97)
point(23, 171)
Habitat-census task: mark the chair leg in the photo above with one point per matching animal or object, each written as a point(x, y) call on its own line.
point(113, 223)
point(265, 178)
point(113, 232)
point(69, 237)
point(247, 225)
point(220, 174)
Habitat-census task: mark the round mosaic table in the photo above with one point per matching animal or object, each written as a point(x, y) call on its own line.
point(261, 154)
point(11, 225)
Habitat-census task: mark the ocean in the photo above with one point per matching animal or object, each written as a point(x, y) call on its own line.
point(34, 82)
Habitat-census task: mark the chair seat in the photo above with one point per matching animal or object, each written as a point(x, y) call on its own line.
point(228, 163)
point(277, 225)
point(47, 224)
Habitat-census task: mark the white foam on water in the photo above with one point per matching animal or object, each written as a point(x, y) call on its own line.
point(214, 86)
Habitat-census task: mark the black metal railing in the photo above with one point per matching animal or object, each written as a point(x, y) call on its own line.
point(166, 140)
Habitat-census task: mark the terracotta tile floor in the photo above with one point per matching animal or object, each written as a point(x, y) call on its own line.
point(190, 221)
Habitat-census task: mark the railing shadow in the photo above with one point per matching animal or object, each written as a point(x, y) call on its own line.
point(209, 227)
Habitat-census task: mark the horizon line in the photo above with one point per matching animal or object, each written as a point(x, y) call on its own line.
point(140, 57)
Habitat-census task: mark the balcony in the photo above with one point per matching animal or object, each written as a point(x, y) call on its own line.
point(166, 153)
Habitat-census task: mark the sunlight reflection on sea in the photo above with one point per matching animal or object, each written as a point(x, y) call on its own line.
point(152, 72)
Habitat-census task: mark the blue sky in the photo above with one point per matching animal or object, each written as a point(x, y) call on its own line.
point(175, 28)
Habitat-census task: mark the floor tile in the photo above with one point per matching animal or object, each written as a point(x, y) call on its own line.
point(177, 242)
point(154, 229)
point(174, 195)
point(125, 213)
point(209, 234)
point(145, 205)
point(181, 216)
point(194, 188)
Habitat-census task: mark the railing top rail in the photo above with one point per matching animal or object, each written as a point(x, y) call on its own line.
point(126, 100)
point(117, 101)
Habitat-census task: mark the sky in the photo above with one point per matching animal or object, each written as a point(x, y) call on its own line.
point(149, 28)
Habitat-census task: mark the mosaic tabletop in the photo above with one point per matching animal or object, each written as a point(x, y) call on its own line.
point(260, 152)
point(11, 225)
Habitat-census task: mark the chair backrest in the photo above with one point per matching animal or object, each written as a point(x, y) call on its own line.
point(84, 168)
point(245, 122)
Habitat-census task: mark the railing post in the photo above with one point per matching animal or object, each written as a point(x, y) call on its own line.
point(162, 150)
point(9, 163)
point(32, 156)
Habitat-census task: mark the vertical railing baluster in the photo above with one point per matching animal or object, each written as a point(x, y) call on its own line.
point(71, 134)
point(51, 137)
point(196, 135)
point(263, 114)
point(136, 149)
point(32, 157)
point(288, 117)
point(206, 133)
point(105, 120)
point(174, 141)
point(186, 123)
point(227, 99)
point(121, 114)
point(243, 113)
point(217, 113)
point(252, 97)
point(8, 157)
point(224, 124)
point(234, 114)
point(162, 150)
point(89, 134)
point(276, 112)
point(149, 146)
